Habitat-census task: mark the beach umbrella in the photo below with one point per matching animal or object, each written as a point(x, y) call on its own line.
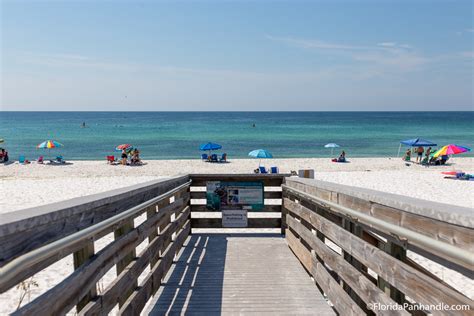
point(127, 147)
point(450, 149)
point(260, 153)
point(49, 144)
point(209, 146)
point(332, 146)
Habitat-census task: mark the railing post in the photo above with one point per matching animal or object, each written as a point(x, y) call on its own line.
point(398, 252)
point(151, 212)
point(355, 229)
point(122, 264)
point(81, 256)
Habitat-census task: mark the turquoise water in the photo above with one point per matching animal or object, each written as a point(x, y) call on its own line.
point(171, 135)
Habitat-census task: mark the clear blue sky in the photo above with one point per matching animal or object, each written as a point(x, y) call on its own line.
point(261, 55)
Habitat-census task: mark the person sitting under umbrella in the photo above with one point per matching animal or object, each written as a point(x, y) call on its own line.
point(342, 157)
point(135, 157)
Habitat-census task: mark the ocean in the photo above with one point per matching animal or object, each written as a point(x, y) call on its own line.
point(177, 135)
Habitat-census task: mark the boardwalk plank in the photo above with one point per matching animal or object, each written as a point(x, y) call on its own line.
point(231, 274)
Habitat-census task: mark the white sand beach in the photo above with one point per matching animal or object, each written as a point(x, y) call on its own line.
point(25, 186)
point(31, 185)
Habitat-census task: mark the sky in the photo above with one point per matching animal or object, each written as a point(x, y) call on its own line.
point(237, 55)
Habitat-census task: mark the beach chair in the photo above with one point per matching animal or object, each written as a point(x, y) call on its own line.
point(274, 170)
point(262, 169)
point(223, 158)
point(59, 160)
point(111, 159)
point(214, 158)
point(204, 157)
point(40, 159)
point(22, 160)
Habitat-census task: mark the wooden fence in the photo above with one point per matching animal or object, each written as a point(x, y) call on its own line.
point(354, 242)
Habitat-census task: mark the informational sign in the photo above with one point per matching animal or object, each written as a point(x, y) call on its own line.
point(234, 218)
point(234, 195)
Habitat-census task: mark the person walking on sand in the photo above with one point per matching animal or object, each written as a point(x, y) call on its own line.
point(419, 151)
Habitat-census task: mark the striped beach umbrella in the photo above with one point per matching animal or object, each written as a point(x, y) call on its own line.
point(49, 144)
point(123, 146)
point(451, 149)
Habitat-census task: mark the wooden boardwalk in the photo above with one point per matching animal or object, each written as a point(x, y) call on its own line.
point(222, 274)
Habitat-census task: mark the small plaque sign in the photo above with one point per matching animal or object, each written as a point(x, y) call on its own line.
point(234, 218)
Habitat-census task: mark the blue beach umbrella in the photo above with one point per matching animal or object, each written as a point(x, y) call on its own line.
point(209, 146)
point(260, 153)
point(332, 146)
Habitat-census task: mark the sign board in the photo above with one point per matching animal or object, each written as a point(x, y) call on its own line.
point(234, 218)
point(234, 195)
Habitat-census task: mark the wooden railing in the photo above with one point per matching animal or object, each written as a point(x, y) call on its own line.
point(72, 229)
point(354, 242)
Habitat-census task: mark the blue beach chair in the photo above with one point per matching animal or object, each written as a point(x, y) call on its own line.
point(21, 159)
point(214, 158)
point(204, 156)
point(274, 170)
point(262, 169)
point(223, 158)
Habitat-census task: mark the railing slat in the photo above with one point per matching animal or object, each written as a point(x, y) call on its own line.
point(263, 222)
point(80, 257)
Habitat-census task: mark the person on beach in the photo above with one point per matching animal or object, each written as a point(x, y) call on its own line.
point(135, 157)
point(124, 157)
point(407, 156)
point(419, 151)
point(342, 157)
point(428, 152)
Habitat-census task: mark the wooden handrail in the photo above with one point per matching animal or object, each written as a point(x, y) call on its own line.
point(458, 255)
point(10, 272)
point(318, 217)
point(167, 225)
